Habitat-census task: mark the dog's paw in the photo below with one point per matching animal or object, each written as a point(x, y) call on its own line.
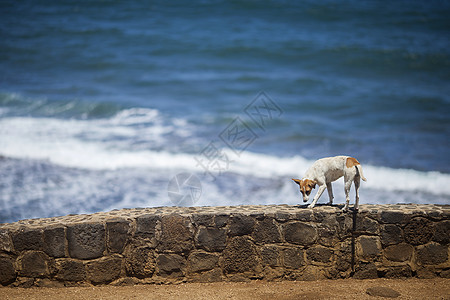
point(311, 206)
point(345, 209)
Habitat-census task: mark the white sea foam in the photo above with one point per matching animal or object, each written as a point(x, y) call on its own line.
point(107, 144)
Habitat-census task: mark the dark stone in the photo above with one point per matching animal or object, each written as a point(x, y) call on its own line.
point(419, 231)
point(266, 232)
point(445, 273)
point(104, 270)
point(368, 247)
point(117, 232)
point(392, 217)
point(391, 234)
point(270, 256)
point(146, 225)
point(70, 270)
point(366, 271)
point(221, 220)
point(7, 271)
point(86, 240)
point(442, 232)
point(240, 225)
point(293, 258)
point(432, 254)
point(240, 256)
point(28, 239)
point(299, 233)
point(55, 241)
point(319, 254)
point(172, 265)
point(202, 261)
point(365, 224)
point(140, 262)
point(176, 235)
point(399, 253)
point(203, 219)
point(211, 239)
point(398, 272)
point(304, 215)
point(34, 264)
point(380, 291)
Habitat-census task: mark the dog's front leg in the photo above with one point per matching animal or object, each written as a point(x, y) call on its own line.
point(330, 193)
point(319, 193)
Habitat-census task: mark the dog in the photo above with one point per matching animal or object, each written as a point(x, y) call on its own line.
point(326, 170)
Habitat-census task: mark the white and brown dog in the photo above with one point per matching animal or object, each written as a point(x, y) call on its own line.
point(326, 170)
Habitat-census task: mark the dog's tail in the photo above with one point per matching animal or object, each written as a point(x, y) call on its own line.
point(360, 172)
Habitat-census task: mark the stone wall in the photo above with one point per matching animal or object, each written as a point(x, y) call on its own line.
point(240, 243)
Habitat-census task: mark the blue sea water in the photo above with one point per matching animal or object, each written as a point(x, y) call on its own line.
point(102, 103)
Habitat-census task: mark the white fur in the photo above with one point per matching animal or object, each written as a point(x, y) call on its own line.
point(326, 170)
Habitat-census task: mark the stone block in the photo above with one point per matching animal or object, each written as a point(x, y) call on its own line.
point(366, 271)
point(270, 256)
point(240, 256)
point(171, 265)
point(203, 220)
point(368, 247)
point(432, 254)
point(104, 270)
point(442, 232)
point(240, 224)
point(304, 216)
point(220, 220)
point(7, 270)
point(300, 233)
point(176, 234)
point(211, 239)
point(266, 232)
point(117, 235)
point(398, 272)
point(86, 240)
point(214, 275)
point(367, 225)
point(419, 231)
point(140, 262)
point(392, 217)
point(5, 241)
point(28, 239)
point(146, 225)
point(391, 234)
point(70, 270)
point(293, 257)
point(383, 292)
point(34, 264)
point(55, 241)
point(399, 253)
point(319, 254)
point(202, 261)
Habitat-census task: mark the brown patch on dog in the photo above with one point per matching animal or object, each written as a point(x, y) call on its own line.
point(351, 162)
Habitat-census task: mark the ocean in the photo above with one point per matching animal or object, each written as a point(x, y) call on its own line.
point(121, 104)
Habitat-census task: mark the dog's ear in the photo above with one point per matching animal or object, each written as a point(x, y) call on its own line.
point(297, 181)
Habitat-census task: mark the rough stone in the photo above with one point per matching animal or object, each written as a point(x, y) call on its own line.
point(366, 271)
point(391, 234)
point(146, 225)
point(240, 256)
point(299, 233)
point(211, 239)
point(398, 272)
point(70, 270)
point(55, 241)
point(176, 234)
point(442, 232)
point(240, 224)
point(140, 262)
point(367, 225)
point(266, 231)
point(419, 231)
point(28, 239)
point(7, 271)
point(208, 276)
point(117, 233)
point(319, 254)
point(172, 265)
point(86, 240)
point(203, 219)
point(293, 258)
point(393, 217)
point(270, 256)
point(368, 247)
point(432, 254)
point(202, 261)
point(5, 241)
point(399, 253)
point(380, 291)
point(104, 270)
point(34, 264)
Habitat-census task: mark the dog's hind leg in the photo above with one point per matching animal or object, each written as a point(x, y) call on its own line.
point(330, 193)
point(357, 184)
point(348, 184)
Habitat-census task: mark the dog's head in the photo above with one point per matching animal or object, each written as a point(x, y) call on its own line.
point(306, 186)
